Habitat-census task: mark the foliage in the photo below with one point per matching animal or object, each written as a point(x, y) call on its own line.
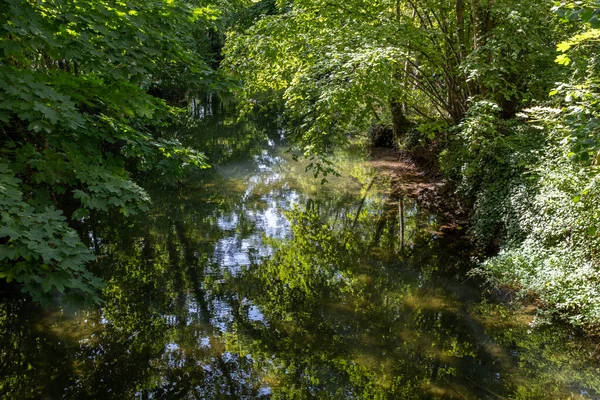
point(527, 201)
point(330, 80)
point(512, 62)
point(42, 252)
point(532, 184)
point(338, 69)
point(79, 118)
point(578, 116)
point(549, 242)
point(196, 305)
point(459, 75)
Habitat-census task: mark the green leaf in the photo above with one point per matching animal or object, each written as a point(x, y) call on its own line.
point(563, 59)
point(58, 280)
point(594, 22)
point(8, 275)
point(4, 116)
point(575, 15)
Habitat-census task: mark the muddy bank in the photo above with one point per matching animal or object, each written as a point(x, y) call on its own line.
point(419, 181)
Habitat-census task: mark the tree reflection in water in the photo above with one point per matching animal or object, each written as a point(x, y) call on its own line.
point(254, 281)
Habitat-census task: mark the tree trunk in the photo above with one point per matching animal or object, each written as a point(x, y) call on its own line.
point(483, 26)
point(400, 123)
point(460, 28)
point(461, 40)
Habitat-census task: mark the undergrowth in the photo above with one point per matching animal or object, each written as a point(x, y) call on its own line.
point(534, 208)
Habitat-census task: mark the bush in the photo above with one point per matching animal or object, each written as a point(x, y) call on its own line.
point(533, 205)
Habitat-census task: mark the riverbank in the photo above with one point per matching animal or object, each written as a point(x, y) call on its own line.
point(521, 203)
point(419, 181)
point(507, 95)
point(506, 314)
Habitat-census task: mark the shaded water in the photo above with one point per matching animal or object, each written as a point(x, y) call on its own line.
point(252, 280)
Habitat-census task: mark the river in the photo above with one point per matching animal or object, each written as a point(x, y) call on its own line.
point(252, 280)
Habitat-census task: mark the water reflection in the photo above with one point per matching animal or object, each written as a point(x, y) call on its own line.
point(254, 281)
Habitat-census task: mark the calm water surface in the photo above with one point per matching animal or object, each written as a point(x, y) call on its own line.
point(253, 281)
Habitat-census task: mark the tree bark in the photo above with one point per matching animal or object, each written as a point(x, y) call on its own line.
point(400, 123)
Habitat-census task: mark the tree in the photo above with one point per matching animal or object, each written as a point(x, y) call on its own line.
point(340, 67)
point(78, 121)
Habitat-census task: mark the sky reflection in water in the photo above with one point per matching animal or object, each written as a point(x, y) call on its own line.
point(254, 281)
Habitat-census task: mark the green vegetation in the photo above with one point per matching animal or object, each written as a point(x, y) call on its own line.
point(532, 183)
point(87, 103)
point(339, 68)
point(503, 93)
point(308, 273)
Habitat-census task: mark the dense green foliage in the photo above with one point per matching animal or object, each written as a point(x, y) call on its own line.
point(83, 110)
point(255, 280)
point(533, 183)
point(341, 68)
